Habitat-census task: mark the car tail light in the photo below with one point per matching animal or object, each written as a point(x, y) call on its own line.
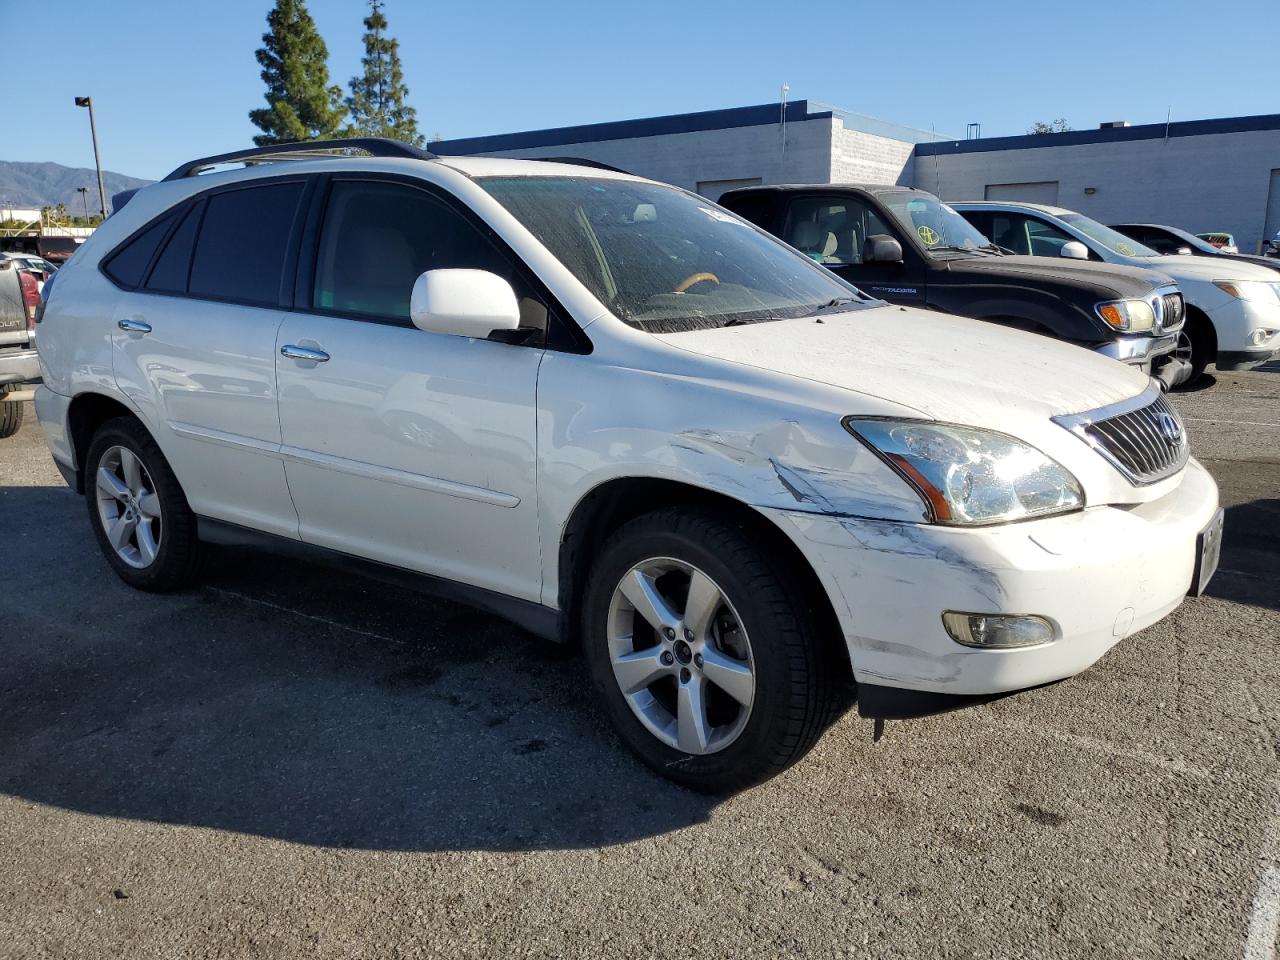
point(30, 296)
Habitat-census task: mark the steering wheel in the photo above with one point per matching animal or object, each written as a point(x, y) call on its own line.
point(693, 278)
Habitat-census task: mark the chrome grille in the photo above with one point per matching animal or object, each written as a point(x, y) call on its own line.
point(1171, 311)
point(1143, 438)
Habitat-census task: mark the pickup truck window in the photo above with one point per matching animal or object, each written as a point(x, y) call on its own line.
point(665, 260)
point(832, 232)
point(939, 230)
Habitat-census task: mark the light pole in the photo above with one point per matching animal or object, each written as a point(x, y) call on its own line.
point(93, 130)
point(84, 198)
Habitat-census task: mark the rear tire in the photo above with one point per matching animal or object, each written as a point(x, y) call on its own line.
point(10, 417)
point(137, 509)
point(761, 619)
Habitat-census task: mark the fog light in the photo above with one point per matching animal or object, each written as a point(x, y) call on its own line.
point(997, 631)
point(1261, 336)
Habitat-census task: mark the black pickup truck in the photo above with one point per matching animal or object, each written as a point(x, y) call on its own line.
point(906, 246)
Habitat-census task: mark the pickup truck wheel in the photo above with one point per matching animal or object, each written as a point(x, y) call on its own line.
point(10, 417)
point(707, 658)
point(137, 509)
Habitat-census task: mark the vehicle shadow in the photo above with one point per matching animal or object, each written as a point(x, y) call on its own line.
point(289, 701)
point(1250, 555)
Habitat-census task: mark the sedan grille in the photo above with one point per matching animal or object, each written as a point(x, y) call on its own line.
point(1171, 311)
point(1143, 438)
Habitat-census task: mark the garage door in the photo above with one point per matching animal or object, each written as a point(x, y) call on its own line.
point(1043, 191)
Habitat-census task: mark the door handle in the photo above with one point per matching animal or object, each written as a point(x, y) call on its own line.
point(294, 352)
point(130, 325)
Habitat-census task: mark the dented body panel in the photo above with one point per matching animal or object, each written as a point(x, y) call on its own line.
point(1099, 575)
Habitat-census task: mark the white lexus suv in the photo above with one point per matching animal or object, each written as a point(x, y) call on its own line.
point(620, 416)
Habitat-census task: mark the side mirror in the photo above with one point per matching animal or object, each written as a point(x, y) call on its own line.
point(1183, 251)
point(464, 303)
point(1074, 250)
point(881, 248)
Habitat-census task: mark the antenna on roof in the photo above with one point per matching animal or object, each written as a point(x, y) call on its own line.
point(782, 115)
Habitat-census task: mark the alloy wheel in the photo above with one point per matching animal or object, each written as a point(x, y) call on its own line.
point(681, 656)
point(128, 507)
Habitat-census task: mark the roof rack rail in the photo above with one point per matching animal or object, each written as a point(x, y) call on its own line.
point(374, 146)
point(581, 162)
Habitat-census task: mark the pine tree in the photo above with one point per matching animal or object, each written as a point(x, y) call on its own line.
point(301, 105)
point(377, 101)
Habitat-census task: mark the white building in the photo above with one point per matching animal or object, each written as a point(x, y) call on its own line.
point(1200, 175)
point(714, 151)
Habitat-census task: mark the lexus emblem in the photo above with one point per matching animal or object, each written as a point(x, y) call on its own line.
point(1170, 428)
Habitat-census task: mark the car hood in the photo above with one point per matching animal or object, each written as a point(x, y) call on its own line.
point(944, 367)
point(1212, 268)
point(1113, 279)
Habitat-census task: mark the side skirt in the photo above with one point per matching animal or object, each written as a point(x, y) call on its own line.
point(534, 617)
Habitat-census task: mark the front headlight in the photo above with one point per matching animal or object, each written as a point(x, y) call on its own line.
point(970, 476)
point(1133, 316)
point(1258, 291)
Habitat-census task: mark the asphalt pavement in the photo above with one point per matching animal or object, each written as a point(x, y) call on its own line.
point(291, 762)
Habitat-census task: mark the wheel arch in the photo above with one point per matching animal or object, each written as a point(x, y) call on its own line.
point(614, 502)
point(1203, 322)
point(85, 414)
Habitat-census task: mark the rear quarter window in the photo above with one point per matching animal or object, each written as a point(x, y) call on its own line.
point(127, 265)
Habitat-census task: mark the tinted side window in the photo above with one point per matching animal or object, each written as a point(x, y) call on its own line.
point(378, 237)
point(128, 265)
point(169, 275)
point(243, 243)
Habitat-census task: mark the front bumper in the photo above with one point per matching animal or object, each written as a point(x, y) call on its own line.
point(1099, 575)
point(1139, 350)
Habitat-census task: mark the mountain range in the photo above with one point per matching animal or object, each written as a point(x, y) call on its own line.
point(49, 184)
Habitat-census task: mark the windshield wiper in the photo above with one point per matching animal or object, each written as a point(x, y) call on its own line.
point(742, 321)
point(992, 249)
point(833, 303)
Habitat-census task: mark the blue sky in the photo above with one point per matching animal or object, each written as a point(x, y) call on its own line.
point(174, 80)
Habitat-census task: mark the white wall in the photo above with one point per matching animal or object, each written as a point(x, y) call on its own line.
point(686, 159)
point(1211, 182)
point(858, 157)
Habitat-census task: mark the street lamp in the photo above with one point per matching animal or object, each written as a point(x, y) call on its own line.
point(93, 130)
point(84, 198)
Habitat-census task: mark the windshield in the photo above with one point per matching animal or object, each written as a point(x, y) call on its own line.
point(939, 229)
point(665, 260)
point(1113, 240)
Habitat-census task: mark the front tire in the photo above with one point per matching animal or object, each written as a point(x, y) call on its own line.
point(1197, 345)
point(709, 660)
point(137, 509)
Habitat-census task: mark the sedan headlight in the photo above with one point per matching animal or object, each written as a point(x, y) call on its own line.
point(1133, 316)
point(970, 476)
point(1259, 291)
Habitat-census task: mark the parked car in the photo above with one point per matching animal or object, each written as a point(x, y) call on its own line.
point(1223, 241)
point(19, 365)
point(1166, 240)
point(1233, 309)
point(621, 416)
point(39, 268)
point(907, 247)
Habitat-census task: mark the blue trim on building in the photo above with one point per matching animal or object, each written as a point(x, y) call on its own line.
point(1146, 131)
point(755, 116)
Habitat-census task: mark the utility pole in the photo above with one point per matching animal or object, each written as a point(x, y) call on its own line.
point(93, 130)
point(84, 198)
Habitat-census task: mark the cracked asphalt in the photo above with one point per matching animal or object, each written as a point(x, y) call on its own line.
point(290, 762)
